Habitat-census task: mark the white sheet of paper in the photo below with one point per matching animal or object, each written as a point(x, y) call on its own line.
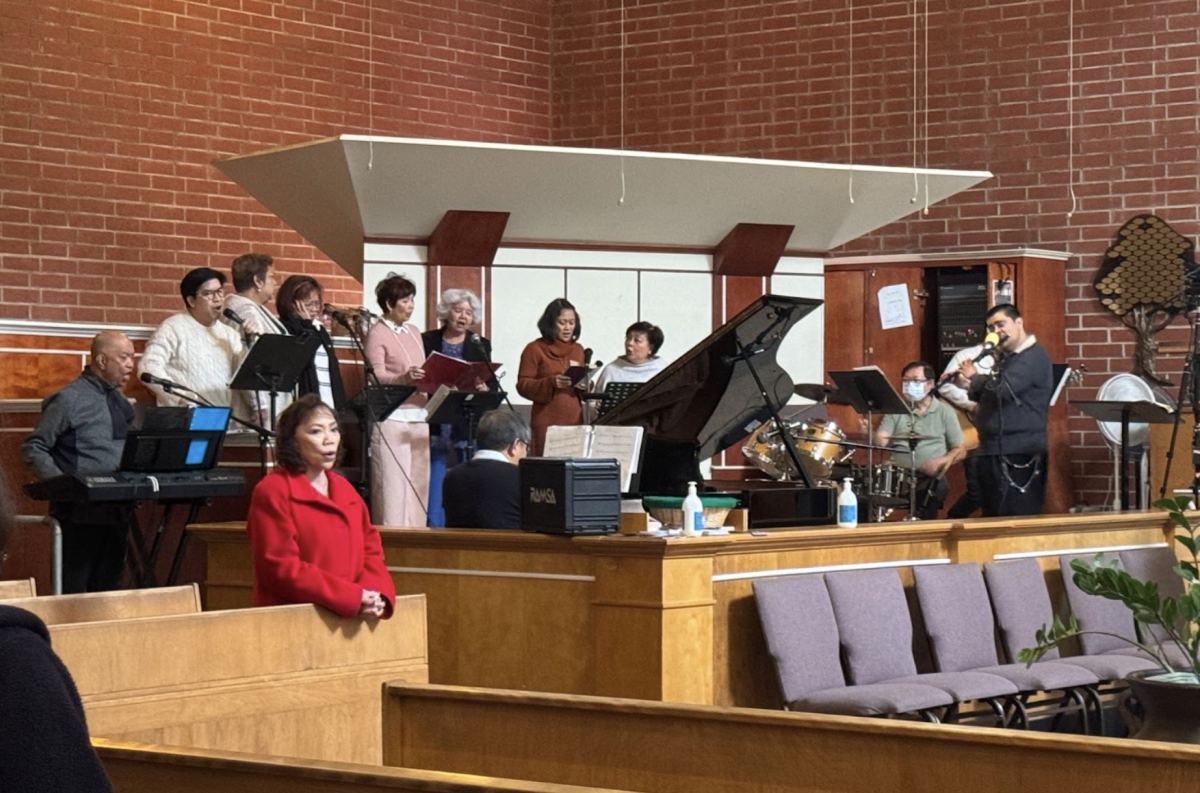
point(894, 311)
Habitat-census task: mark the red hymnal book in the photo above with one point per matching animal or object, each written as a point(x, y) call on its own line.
point(454, 373)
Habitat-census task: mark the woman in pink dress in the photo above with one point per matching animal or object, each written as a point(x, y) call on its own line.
point(400, 444)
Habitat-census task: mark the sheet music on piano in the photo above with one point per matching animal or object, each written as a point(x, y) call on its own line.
point(624, 444)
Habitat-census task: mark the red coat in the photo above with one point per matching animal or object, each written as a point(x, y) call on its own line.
point(311, 549)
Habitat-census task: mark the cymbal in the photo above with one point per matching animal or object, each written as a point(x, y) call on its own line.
point(819, 392)
point(910, 436)
point(860, 445)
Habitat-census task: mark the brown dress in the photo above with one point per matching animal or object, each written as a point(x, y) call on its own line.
point(541, 362)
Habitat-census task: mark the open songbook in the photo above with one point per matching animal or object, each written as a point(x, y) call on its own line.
point(456, 373)
point(624, 444)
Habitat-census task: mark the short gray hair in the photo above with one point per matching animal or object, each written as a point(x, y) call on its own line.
point(500, 428)
point(452, 297)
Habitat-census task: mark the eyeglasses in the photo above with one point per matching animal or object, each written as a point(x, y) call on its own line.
point(211, 294)
point(313, 306)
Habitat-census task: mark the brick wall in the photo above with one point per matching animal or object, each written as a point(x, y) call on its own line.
point(773, 79)
point(112, 112)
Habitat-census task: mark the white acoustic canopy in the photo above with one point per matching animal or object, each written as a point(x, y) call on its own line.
point(337, 191)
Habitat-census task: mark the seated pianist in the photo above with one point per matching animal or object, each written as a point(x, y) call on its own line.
point(485, 491)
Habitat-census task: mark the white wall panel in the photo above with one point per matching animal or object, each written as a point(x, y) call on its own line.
point(607, 301)
point(802, 353)
point(680, 304)
point(519, 296)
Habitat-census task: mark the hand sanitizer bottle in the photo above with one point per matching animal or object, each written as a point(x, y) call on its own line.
point(847, 506)
point(693, 513)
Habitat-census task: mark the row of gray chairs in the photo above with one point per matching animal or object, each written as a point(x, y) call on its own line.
point(842, 643)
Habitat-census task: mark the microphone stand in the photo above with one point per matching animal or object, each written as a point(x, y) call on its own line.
point(493, 381)
point(354, 329)
point(1189, 388)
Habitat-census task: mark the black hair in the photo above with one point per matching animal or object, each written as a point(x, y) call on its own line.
point(546, 323)
point(654, 334)
point(392, 290)
point(191, 283)
point(1007, 309)
point(926, 370)
point(287, 448)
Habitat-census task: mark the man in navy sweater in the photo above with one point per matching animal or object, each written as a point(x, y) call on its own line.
point(485, 491)
point(1013, 402)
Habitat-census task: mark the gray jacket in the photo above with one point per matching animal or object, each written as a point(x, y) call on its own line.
point(82, 429)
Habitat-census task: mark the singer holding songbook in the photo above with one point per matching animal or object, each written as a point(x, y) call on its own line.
point(253, 276)
point(194, 350)
point(1012, 404)
point(301, 304)
point(457, 311)
point(399, 445)
point(542, 377)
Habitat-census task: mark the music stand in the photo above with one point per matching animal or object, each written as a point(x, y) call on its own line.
point(1140, 410)
point(868, 391)
point(376, 402)
point(274, 364)
point(614, 394)
point(456, 406)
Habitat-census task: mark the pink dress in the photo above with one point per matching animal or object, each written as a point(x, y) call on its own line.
point(399, 445)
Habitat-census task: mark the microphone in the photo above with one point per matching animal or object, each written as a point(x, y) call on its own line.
point(347, 316)
point(587, 356)
point(236, 319)
point(989, 344)
point(150, 379)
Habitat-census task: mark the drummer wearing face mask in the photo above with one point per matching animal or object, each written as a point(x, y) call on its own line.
point(944, 439)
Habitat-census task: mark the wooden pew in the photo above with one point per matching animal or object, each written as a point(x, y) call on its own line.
point(665, 748)
point(293, 681)
point(17, 588)
point(118, 605)
point(141, 768)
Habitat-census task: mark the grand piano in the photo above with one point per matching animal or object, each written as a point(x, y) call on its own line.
point(711, 398)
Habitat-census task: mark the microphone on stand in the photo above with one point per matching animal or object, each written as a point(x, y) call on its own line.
point(989, 345)
point(587, 356)
point(163, 382)
point(236, 319)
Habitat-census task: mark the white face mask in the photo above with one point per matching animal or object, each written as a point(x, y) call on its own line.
point(914, 391)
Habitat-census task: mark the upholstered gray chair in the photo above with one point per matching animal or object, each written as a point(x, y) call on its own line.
point(962, 634)
point(876, 633)
point(802, 637)
point(1022, 606)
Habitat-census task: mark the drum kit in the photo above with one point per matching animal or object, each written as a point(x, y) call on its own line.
point(826, 453)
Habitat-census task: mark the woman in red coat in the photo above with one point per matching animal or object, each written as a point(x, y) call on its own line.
point(310, 533)
point(541, 377)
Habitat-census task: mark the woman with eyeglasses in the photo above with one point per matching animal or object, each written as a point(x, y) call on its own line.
point(301, 304)
point(197, 351)
point(400, 444)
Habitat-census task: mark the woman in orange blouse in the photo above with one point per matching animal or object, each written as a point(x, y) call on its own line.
point(540, 378)
point(400, 444)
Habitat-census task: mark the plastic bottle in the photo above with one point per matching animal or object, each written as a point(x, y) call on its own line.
point(693, 512)
point(847, 506)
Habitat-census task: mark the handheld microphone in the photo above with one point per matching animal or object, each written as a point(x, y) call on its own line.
point(236, 319)
point(989, 344)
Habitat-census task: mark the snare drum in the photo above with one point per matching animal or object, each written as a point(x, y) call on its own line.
point(888, 481)
point(817, 443)
point(766, 452)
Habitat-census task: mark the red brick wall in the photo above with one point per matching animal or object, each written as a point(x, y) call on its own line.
point(772, 79)
point(112, 112)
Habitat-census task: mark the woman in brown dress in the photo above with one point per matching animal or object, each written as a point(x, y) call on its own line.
point(541, 380)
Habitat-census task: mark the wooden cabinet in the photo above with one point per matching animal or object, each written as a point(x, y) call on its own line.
point(855, 336)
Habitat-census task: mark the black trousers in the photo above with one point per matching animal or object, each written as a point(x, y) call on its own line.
point(972, 499)
point(931, 494)
point(93, 547)
point(1012, 484)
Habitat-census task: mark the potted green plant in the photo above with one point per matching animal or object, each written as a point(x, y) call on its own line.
point(1170, 697)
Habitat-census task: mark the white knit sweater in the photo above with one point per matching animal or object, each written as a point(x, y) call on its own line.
point(202, 358)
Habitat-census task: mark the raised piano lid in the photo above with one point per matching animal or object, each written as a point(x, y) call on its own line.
point(707, 400)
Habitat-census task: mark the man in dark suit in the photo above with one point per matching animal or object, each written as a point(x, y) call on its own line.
point(485, 491)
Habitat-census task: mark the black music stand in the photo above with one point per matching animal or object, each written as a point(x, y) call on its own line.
point(274, 364)
point(615, 394)
point(373, 404)
point(868, 391)
point(469, 406)
point(1140, 410)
